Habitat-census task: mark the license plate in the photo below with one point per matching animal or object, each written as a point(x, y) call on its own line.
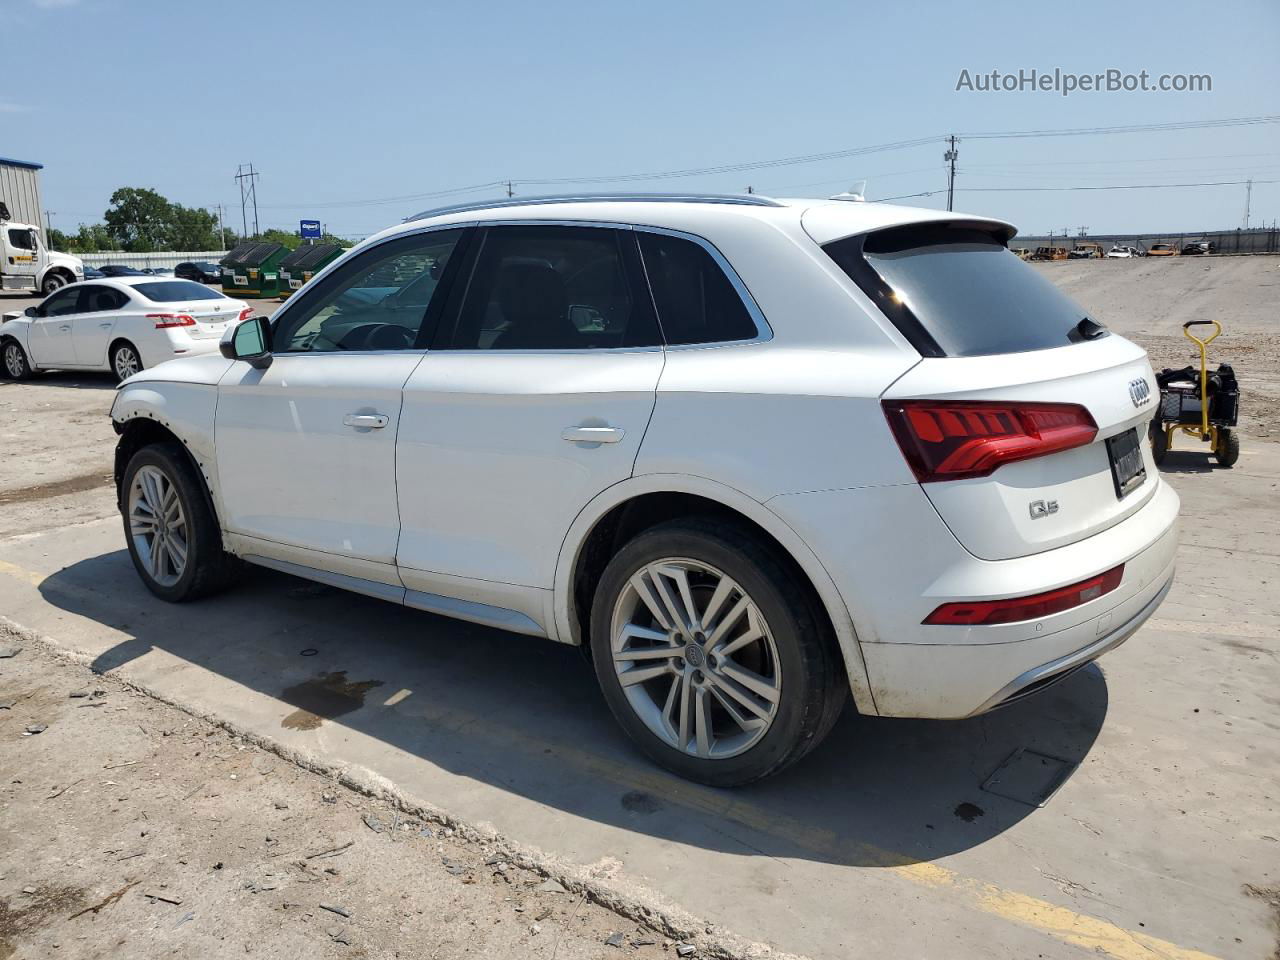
point(1127, 469)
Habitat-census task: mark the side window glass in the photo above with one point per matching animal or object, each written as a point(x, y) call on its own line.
point(696, 302)
point(98, 299)
point(21, 239)
point(377, 301)
point(554, 288)
point(61, 303)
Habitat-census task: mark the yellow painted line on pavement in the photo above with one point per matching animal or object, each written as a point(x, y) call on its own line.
point(1067, 926)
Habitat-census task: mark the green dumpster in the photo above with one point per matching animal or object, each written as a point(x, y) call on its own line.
point(252, 270)
point(304, 263)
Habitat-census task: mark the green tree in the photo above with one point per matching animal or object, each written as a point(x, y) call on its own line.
point(193, 229)
point(57, 240)
point(140, 219)
point(92, 238)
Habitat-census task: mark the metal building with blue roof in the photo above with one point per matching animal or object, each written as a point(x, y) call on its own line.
point(20, 191)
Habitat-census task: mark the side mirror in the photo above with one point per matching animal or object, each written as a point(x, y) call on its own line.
point(31, 312)
point(250, 341)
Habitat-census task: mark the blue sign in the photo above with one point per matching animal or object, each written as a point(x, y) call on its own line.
point(309, 229)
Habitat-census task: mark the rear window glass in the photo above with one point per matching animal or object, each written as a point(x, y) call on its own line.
point(176, 291)
point(959, 292)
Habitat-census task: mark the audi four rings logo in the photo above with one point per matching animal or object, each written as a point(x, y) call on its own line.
point(1139, 391)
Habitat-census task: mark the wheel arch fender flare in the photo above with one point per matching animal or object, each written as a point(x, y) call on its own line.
point(565, 629)
point(183, 411)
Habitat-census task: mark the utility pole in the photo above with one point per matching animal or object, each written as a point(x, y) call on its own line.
point(222, 230)
point(950, 157)
point(510, 191)
point(248, 181)
point(48, 226)
point(1082, 231)
point(1248, 198)
point(750, 189)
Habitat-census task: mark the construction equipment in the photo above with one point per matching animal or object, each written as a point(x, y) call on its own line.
point(1199, 403)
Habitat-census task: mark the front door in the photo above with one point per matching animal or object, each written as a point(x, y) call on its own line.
point(535, 399)
point(306, 448)
point(21, 256)
point(51, 342)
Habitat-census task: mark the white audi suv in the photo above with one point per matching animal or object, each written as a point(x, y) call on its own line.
point(756, 455)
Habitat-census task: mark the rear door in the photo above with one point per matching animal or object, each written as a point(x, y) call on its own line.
point(536, 399)
point(1025, 420)
point(100, 307)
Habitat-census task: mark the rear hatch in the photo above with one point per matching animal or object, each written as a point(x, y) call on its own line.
point(1026, 419)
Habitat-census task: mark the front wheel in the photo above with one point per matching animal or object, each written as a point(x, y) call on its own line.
point(171, 531)
point(16, 365)
point(125, 361)
point(713, 654)
point(54, 281)
point(1228, 447)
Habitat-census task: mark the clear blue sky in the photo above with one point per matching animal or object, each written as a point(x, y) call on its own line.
point(337, 102)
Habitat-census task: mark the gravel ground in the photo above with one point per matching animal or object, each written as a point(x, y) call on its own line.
point(129, 828)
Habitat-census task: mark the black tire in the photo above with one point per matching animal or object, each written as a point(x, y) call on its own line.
point(121, 351)
point(1159, 442)
point(815, 688)
point(54, 281)
point(14, 364)
point(1228, 448)
point(208, 567)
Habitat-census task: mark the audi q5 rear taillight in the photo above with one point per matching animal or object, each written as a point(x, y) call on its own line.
point(951, 439)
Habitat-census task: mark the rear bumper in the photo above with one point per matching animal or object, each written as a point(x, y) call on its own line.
point(893, 565)
point(175, 346)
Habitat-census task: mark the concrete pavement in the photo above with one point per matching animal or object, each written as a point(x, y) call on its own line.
point(882, 843)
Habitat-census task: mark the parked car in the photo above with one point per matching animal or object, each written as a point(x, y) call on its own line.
point(1086, 251)
point(1197, 247)
point(92, 273)
point(754, 454)
point(201, 271)
point(119, 270)
point(1124, 252)
point(1162, 250)
point(158, 271)
point(1050, 253)
point(123, 325)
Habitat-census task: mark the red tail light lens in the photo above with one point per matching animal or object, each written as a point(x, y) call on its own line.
point(1027, 608)
point(245, 314)
point(951, 439)
point(164, 320)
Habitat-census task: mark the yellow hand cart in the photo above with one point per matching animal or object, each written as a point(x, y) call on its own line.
point(1199, 403)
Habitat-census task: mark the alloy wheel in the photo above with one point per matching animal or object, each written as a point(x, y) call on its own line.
point(695, 658)
point(126, 363)
point(158, 525)
point(13, 360)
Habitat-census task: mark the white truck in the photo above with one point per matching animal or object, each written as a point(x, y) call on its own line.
point(27, 264)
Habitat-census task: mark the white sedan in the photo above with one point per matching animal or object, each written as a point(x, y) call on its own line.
point(123, 325)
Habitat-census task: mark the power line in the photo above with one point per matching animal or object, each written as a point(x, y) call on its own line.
point(1125, 186)
point(1127, 128)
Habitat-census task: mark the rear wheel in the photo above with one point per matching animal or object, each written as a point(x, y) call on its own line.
point(712, 654)
point(14, 360)
point(171, 531)
point(125, 361)
point(1227, 449)
point(1159, 441)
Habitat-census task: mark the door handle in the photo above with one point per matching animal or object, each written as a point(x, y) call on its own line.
point(105, 326)
point(592, 434)
point(365, 421)
point(65, 326)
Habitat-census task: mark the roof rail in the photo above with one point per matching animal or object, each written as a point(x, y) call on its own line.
point(741, 199)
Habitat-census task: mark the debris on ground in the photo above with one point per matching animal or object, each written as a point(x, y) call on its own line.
point(177, 848)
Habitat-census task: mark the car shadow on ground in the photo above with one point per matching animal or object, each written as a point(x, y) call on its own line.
point(525, 716)
point(72, 380)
